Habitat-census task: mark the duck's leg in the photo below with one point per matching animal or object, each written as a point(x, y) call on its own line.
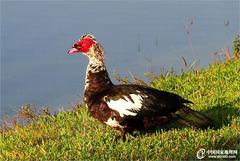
point(122, 135)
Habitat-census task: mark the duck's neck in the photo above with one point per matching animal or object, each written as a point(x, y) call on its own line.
point(96, 81)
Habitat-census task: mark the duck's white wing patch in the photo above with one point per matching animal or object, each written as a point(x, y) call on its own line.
point(126, 106)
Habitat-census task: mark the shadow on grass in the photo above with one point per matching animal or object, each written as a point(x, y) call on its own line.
point(222, 115)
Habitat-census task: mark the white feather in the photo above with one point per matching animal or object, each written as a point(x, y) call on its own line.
point(113, 123)
point(124, 106)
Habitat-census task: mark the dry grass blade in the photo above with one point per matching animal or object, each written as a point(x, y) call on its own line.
point(27, 112)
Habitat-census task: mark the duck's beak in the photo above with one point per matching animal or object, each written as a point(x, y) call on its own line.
point(73, 50)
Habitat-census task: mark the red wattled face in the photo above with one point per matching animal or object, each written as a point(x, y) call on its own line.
point(82, 45)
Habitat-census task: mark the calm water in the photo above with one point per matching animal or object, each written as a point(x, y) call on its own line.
point(137, 37)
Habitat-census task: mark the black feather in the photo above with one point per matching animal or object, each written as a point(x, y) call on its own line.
point(155, 102)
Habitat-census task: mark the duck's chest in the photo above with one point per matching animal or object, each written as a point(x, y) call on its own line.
point(101, 111)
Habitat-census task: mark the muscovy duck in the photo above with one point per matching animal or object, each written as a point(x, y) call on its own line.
point(129, 107)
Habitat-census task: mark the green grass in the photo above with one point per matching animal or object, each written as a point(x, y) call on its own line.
point(77, 136)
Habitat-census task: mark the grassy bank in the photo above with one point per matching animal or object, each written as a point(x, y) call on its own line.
point(75, 135)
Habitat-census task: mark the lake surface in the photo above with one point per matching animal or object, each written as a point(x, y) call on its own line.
point(138, 36)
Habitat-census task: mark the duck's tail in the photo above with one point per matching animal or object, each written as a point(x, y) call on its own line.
point(186, 117)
